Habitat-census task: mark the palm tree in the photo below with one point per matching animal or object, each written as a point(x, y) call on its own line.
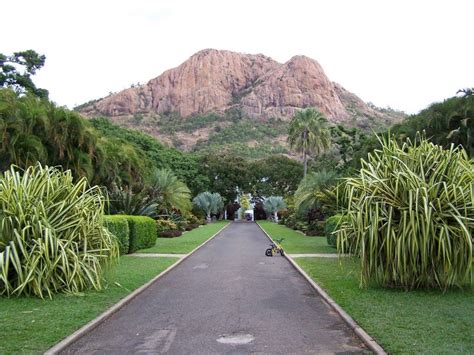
point(169, 192)
point(209, 203)
point(273, 204)
point(313, 190)
point(309, 133)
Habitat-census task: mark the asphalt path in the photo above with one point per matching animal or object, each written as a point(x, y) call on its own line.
point(228, 297)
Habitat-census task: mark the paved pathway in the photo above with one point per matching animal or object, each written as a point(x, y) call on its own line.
point(226, 298)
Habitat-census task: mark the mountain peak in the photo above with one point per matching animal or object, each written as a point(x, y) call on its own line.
point(214, 80)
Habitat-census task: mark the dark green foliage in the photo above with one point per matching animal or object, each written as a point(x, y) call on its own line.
point(21, 82)
point(332, 224)
point(184, 166)
point(227, 174)
point(142, 232)
point(276, 175)
point(170, 234)
point(118, 226)
point(35, 130)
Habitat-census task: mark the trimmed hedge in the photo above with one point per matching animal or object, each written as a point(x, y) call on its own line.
point(118, 226)
point(142, 232)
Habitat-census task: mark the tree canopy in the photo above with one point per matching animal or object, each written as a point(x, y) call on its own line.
point(20, 81)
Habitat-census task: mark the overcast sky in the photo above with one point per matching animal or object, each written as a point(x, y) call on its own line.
point(402, 54)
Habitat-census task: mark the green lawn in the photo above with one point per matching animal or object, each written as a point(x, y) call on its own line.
point(31, 325)
point(402, 322)
point(187, 242)
point(296, 242)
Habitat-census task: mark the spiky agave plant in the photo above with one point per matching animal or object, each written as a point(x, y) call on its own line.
point(411, 216)
point(51, 233)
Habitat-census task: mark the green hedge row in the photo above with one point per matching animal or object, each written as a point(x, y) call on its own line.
point(133, 232)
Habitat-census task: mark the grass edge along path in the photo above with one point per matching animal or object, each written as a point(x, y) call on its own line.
point(187, 242)
point(296, 242)
point(32, 325)
point(419, 321)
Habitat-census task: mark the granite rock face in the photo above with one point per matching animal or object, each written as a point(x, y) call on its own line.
point(216, 80)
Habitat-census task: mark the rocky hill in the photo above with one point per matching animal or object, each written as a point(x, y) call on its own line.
point(225, 87)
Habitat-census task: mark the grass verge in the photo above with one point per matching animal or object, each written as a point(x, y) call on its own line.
point(32, 325)
point(187, 242)
point(413, 322)
point(295, 242)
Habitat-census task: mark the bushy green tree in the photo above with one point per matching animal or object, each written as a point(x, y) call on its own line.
point(275, 175)
point(227, 173)
point(21, 82)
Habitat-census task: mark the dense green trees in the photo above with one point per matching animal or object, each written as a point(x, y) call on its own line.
point(309, 134)
point(276, 175)
point(185, 166)
point(34, 129)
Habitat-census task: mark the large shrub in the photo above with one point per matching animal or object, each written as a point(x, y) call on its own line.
point(142, 232)
point(411, 216)
point(118, 226)
point(51, 233)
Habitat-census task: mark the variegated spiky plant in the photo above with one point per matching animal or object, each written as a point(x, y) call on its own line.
point(51, 233)
point(411, 216)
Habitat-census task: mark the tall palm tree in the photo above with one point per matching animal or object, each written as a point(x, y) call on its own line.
point(169, 192)
point(273, 204)
point(309, 134)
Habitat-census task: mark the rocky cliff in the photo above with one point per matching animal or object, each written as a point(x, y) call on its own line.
point(261, 88)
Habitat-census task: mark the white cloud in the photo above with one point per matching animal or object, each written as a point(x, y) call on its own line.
point(405, 54)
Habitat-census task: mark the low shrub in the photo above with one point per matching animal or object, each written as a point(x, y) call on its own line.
point(192, 226)
point(170, 234)
point(118, 226)
point(165, 224)
point(142, 232)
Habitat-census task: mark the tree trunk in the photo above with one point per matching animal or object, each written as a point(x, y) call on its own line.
point(305, 162)
point(276, 217)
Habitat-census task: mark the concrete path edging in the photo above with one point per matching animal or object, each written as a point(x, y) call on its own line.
point(157, 255)
point(316, 255)
point(361, 333)
point(124, 301)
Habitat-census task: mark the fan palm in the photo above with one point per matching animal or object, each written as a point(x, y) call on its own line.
point(309, 134)
point(169, 192)
point(273, 204)
point(313, 190)
point(209, 203)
